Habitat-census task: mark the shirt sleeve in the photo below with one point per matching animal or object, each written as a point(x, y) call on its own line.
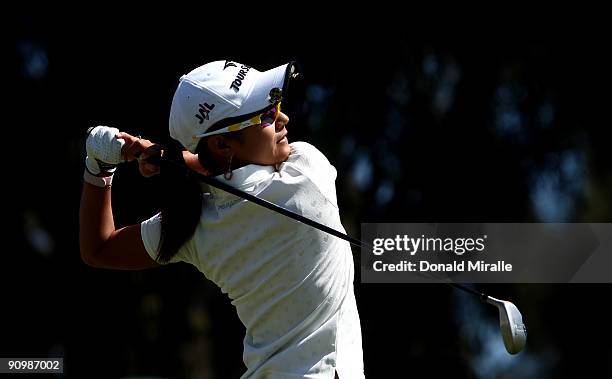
point(311, 162)
point(150, 231)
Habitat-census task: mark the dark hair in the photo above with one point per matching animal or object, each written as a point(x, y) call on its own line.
point(181, 196)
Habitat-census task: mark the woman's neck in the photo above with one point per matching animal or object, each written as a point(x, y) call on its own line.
point(218, 167)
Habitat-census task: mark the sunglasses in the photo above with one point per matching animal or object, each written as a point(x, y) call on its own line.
point(264, 119)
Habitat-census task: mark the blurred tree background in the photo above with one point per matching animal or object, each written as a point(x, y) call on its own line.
point(501, 127)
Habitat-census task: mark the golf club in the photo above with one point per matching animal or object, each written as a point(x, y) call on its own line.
point(513, 330)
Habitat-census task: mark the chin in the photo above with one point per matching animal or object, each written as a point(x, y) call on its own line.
point(284, 151)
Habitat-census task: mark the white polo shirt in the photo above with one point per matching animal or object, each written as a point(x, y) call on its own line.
point(291, 284)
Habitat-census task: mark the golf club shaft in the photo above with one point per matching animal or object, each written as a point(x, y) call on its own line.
point(273, 207)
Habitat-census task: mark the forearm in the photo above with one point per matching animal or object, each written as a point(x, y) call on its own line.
point(101, 245)
point(95, 219)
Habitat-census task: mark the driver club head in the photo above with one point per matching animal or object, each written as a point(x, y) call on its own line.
point(511, 324)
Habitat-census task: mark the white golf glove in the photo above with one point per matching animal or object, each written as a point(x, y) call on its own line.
point(103, 150)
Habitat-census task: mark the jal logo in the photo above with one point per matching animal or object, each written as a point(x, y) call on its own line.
point(229, 64)
point(203, 111)
point(239, 78)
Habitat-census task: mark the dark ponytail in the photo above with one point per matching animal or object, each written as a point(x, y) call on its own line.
point(181, 195)
point(181, 203)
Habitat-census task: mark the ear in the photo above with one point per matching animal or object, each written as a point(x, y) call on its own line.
point(221, 146)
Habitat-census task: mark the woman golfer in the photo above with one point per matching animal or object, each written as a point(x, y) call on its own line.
point(291, 284)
